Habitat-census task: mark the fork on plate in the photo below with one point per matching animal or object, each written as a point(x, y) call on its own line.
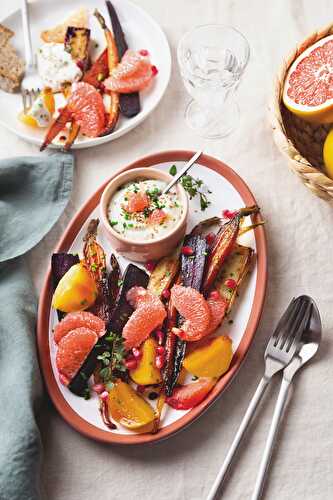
point(31, 84)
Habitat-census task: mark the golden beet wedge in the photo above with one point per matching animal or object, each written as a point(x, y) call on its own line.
point(211, 359)
point(146, 372)
point(129, 409)
point(76, 290)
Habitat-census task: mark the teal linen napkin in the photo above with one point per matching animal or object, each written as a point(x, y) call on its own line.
point(33, 193)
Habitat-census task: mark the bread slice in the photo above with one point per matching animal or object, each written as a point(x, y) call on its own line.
point(11, 66)
point(78, 19)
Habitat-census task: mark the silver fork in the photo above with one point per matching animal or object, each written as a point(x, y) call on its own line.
point(31, 83)
point(280, 350)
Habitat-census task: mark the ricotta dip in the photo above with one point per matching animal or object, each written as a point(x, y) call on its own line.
point(56, 66)
point(140, 212)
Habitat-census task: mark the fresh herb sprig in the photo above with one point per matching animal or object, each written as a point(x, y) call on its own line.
point(112, 359)
point(193, 187)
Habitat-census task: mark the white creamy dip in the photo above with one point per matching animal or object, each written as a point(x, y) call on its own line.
point(56, 66)
point(161, 214)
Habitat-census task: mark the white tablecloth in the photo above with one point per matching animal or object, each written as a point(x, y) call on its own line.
point(300, 261)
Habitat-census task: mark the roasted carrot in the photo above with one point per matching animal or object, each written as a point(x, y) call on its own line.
point(223, 245)
point(113, 60)
point(57, 126)
point(98, 71)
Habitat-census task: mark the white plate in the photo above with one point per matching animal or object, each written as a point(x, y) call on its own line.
point(141, 32)
point(224, 195)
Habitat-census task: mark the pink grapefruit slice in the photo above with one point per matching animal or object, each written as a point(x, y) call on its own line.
point(148, 315)
point(308, 87)
point(76, 320)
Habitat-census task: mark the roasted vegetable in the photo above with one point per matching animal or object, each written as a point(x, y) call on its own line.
point(98, 71)
point(235, 268)
point(192, 270)
point(75, 291)
point(57, 126)
point(77, 44)
point(211, 359)
point(164, 274)
point(95, 260)
point(129, 409)
point(114, 280)
point(134, 276)
point(60, 264)
point(113, 60)
point(187, 396)
point(223, 245)
point(129, 103)
point(146, 372)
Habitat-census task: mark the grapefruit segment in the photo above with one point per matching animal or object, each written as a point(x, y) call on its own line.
point(217, 307)
point(148, 315)
point(308, 87)
point(187, 396)
point(137, 202)
point(77, 320)
point(132, 74)
point(192, 305)
point(87, 107)
point(73, 350)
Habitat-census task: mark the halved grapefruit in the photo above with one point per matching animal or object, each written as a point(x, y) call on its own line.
point(308, 87)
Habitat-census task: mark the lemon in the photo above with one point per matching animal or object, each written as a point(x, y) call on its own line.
point(76, 290)
point(328, 154)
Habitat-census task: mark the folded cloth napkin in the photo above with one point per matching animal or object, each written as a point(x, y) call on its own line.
point(33, 193)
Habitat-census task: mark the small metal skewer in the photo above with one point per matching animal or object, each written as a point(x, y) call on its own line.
point(182, 172)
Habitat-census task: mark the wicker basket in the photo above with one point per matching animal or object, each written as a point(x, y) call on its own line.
point(301, 141)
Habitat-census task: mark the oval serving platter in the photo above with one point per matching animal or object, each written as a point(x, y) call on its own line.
point(228, 191)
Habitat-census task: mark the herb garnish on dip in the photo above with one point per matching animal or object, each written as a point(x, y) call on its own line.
point(140, 212)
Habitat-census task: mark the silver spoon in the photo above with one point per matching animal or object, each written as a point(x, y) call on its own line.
point(182, 172)
point(309, 344)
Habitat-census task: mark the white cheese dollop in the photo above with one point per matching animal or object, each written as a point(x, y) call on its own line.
point(56, 66)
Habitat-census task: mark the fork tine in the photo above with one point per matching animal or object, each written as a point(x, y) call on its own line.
point(287, 325)
point(293, 342)
point(292, 323)
point(283, 319)
point(24, 101)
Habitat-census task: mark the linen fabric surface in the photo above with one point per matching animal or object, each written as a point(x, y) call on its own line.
point(300, 249)
point(33, 193)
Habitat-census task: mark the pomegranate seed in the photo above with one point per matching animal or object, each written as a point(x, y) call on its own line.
point(150, 265)
point(160, 349)
point(140, 388)
point(143, 52)
point(166, 294)
point(80, 65)
point(136, 353)
point(159, 336)
point(159, 361)
point(130, 363)
point(230, 283)
point(98, 388)
point(210, 237)
point(104, 396)
point(154, 70)
point(214, 295)
point(228, 214)
point(187, 250)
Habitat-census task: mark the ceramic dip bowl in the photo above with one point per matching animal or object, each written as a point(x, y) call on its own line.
point(140, 222)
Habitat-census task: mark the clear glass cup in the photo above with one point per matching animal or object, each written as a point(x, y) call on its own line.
point(212, 59)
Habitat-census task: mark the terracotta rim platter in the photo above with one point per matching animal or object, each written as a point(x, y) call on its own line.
point(64, 244)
